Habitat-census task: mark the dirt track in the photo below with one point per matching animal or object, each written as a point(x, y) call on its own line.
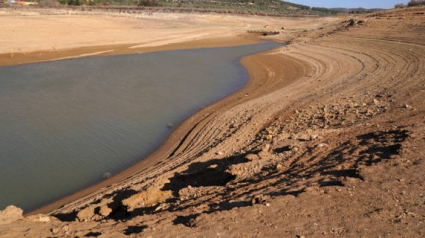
point(326, 140)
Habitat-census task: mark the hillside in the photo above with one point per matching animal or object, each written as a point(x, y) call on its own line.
point(267, 6)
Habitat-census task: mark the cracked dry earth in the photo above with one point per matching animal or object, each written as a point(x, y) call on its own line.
point(330, 145)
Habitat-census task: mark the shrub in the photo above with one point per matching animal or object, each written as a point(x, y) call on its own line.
point(413, 3)
point(399, 5)
point(48, 3)
point(150, 3)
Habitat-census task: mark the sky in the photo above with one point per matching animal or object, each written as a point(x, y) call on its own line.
point(350, 4)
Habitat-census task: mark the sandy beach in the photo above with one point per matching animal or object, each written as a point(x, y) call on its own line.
point(324, 140)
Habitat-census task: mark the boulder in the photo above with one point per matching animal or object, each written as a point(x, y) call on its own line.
point(86, 214)
point(147, 198)
point(105, 210)
point(245, 170)
point(10, 214)
point(41, 218)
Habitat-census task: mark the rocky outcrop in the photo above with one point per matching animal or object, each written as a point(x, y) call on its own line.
point(41, 218)
point(147, 198)
point(10, 214)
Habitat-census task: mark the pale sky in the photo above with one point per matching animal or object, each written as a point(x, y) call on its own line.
point(350, 4)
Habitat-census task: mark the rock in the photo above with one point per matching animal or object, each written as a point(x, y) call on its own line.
point(314, 137)
point(279, 166)
point(10, 214)
point(266, 148)
point(406, 106)
point(106, 175)
point(245, 170)
point(147, 198)
point(163, 206)
point(304, 137)
point(105, 210)
point(259, 199)
point(376, 101)
point(54, 231)
point(41, 218)
point(86, 214)
point(213, 166)
point(252, 157)
point(322, 145)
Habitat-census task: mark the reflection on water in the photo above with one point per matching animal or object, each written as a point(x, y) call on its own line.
point(63, 124)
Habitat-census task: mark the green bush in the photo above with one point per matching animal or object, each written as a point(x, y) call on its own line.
point(49, 3)
point(150, 3)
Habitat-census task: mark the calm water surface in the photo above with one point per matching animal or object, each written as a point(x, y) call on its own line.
point(63, 124)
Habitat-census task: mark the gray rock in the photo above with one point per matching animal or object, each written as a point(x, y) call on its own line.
point(106, 175)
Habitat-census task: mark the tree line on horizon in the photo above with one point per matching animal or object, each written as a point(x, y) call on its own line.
point(412, 3)
point(272, 6)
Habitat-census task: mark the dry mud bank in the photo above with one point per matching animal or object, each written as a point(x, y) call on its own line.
point(34, 35)
point(325, 140)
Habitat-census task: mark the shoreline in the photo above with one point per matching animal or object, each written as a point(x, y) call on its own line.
point(264, 70)
point(20, 58)
point(176, 139)
point(327, 142)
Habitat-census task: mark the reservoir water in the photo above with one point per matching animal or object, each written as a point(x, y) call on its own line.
point(64, 124)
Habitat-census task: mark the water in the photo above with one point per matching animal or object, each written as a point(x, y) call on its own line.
point(64, 124)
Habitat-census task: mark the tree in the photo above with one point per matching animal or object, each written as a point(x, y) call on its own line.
point(399, 5)
point(413, 3)
point(149, 3)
